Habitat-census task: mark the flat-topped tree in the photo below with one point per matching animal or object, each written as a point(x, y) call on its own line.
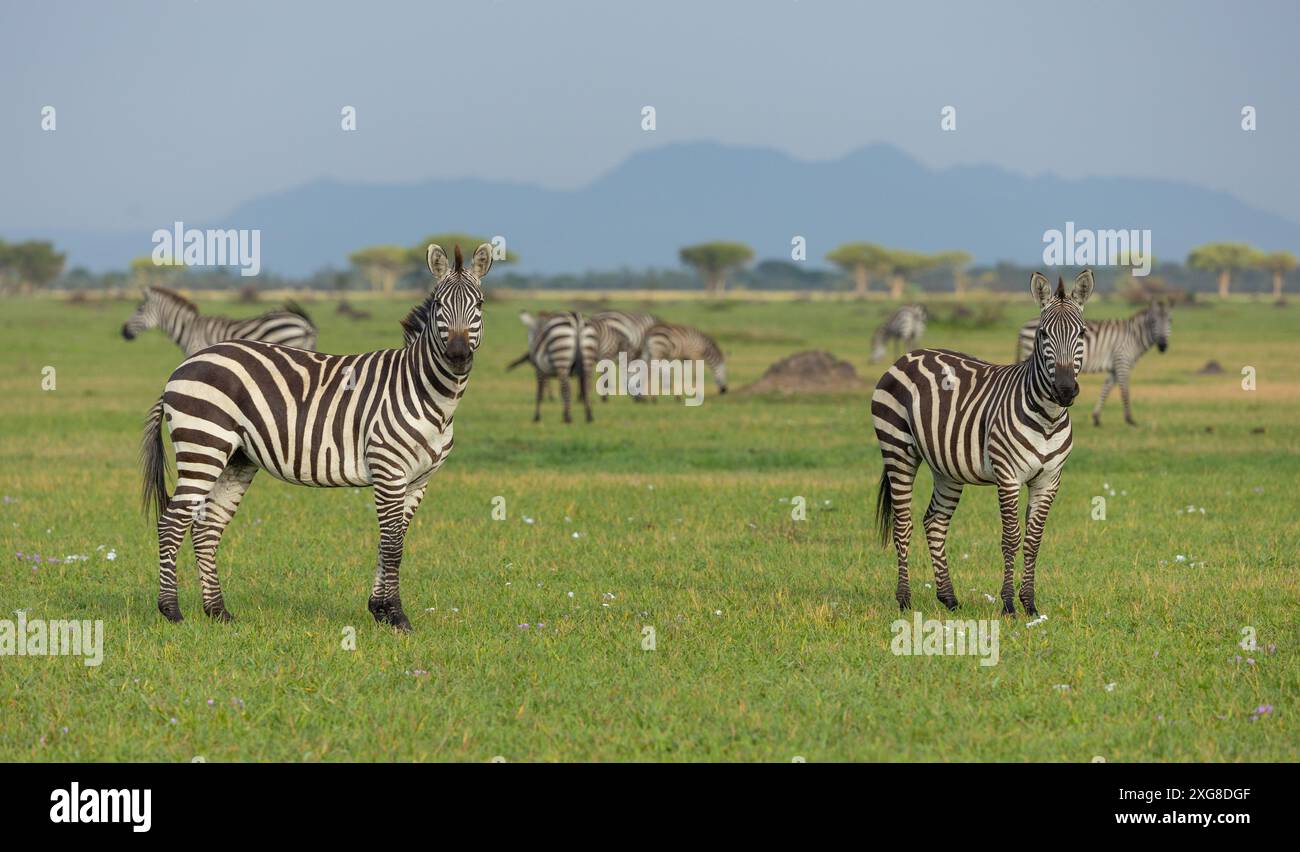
point(714, 260)
point(383, 266)
point(30, 265)
point(1278, 264)
point(956, 262)
point(1224, 259)
point(146, 272)
point(862, 261)
point(901, 264)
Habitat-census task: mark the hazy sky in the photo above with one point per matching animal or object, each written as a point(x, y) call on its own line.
point(182, 109)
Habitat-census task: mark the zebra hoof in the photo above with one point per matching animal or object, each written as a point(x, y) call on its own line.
point(1131, 422)
point(1030, 609)
point(904, 603)
point(223, 615)
point(171, 611)
point(1009, 610)
point(1096, 421)
point(390, 613)
point(950, 602)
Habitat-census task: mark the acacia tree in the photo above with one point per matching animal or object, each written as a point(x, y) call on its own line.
point(383, 266)
point(1279, 263)
point(146, 273)
point(714, 260)
point(902, 263)
point(30, 265)
point(1224, 259)
point(862, 261)
point(956, 262)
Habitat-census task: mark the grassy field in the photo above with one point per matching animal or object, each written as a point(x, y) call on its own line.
point(772, 635)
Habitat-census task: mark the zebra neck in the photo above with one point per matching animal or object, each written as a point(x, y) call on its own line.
point(438, 388)
point(1037, 387)
point(1140, 330)
point(178, 324)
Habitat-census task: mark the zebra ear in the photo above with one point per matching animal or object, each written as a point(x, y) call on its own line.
point(1083, 286)
point(1041, 288)
point(437, 260)
point(482, 260)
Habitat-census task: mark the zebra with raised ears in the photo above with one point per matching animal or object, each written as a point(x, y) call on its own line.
point(382, 419)
point(1113, 347)
point(976, 423)
point(904, 327)
point(179, 319)
point(669, 342)
point(561, 344)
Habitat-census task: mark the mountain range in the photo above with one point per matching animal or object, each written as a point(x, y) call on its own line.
point(641, 212)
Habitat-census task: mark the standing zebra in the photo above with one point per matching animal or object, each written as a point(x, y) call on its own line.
point(668, 342)
point(976, 423)
point(560, 344)
point(904, 326)
point(1113, 347)
point(380, 418)
point(179, 319)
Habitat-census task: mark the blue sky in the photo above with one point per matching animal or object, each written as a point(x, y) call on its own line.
point(183, 109)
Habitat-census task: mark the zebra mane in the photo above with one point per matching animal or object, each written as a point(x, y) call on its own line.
point(173, 296)
point(414, 322)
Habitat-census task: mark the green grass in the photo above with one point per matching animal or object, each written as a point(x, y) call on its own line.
point(772, 635)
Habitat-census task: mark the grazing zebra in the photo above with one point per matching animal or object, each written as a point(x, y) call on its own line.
point(630, 325)
point(380, 418)
point(1113, 347)
point(904, 326)
point(554, 351)
point(179, 319)
point(976, 423)
point(668, 342)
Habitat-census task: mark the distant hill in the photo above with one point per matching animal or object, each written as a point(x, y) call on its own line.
point(641, 212)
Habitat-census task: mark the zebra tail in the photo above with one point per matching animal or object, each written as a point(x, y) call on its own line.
point(154, 461)
point(884, 508)
point(515, 363)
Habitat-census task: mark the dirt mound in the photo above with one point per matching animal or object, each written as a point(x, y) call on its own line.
point(808, 372)
point(1211, 368)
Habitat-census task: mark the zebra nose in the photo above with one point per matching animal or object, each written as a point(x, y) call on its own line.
point(126, 333)
point(458, 351)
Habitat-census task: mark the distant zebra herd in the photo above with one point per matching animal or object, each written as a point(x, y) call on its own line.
point(253, 395)
point(565, 344)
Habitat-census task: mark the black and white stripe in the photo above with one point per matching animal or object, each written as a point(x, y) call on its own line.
point(631, 325)
point(904, 327)
point(382, 419)
point(669, 342)
point(1113, 347)
point(561, 344)
point(180, 320)
point(976, 423)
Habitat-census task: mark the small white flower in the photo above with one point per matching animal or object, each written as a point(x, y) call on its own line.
point(717, 612)
point(111, 555)
point(1180, 558)
point(528, 520)
point(1110, 687)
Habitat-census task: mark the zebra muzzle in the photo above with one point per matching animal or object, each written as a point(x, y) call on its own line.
point(127, 334)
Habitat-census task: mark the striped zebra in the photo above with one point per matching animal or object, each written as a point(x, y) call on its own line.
point(180, 320)
point(904, 327)
point(555, 352)
point(1113, 347)
point(976, 423)
point(669, 342)
point(631, 325)
point(382, 419)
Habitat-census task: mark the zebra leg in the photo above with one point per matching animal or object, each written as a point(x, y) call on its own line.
point(173, 523)
point(943, 502)
point(1041, 494)
point(1009, 508)
point(1105, 390)
point(1122, 377)
point(394, 504)
point(210, 521)
point(541, 389)
point(900, 497)
point(582, 392)
point(565, 394)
